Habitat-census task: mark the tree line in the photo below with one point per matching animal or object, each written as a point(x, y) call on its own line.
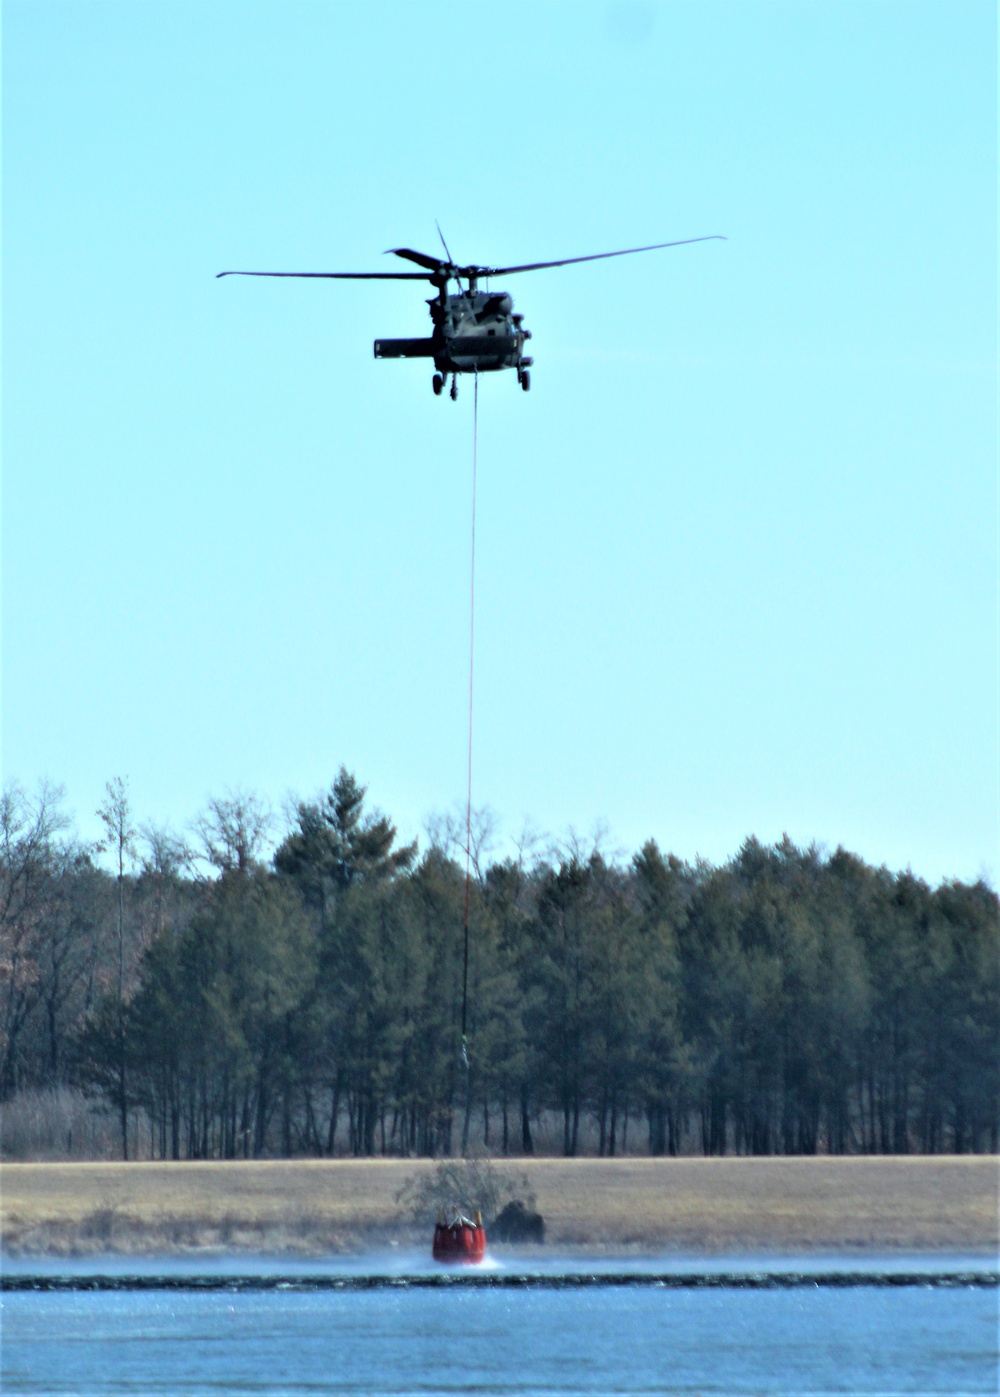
point(787, 1001)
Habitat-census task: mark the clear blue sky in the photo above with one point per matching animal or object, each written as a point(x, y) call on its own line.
point(737, 550)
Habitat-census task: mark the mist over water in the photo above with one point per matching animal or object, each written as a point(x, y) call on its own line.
point(872, 1338)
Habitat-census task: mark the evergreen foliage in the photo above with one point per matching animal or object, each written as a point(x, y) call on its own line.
point(785, 1002)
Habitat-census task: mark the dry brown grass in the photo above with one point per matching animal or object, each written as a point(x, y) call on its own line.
point(697, 1205)
point(778, 1203)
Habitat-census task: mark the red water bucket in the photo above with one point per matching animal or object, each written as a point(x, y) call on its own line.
point(459, 1240)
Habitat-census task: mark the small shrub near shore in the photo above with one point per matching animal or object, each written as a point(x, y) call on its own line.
point(469, 1185)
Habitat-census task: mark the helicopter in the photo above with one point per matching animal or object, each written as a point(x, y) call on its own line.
point(474, 331)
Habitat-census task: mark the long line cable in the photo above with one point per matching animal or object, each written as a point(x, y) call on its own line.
point(468, 788)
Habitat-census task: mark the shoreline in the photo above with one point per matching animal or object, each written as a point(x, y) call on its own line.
point(776, 1205)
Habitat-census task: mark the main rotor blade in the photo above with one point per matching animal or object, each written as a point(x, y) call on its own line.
point(334, 275)
point(438, 268)
point(447, 249)
point(433, 264)
point(596, 256)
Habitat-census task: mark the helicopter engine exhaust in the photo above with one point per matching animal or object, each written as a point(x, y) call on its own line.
point(404, 349)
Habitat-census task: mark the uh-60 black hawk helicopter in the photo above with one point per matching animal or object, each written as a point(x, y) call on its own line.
point(474, 331)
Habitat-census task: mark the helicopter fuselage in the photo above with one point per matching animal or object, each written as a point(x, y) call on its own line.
point(474, 332)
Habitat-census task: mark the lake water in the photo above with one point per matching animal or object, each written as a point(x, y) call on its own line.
point(628, 1338)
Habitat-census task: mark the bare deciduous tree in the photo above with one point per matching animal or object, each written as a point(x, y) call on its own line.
point(167, 859)
point(29, 827)
point(116, 816)
point(233, 831)
point(446, 832)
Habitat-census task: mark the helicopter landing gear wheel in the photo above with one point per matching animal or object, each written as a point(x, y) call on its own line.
point(454, 387)
point(437, 383)
point(525, 379)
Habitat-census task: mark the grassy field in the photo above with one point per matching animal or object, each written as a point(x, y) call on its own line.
point(690, 1205)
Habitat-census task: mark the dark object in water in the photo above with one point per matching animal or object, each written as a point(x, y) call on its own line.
point(515, 1223)
point(458, 1240)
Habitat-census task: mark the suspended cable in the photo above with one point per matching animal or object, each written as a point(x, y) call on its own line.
point(468, 789)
